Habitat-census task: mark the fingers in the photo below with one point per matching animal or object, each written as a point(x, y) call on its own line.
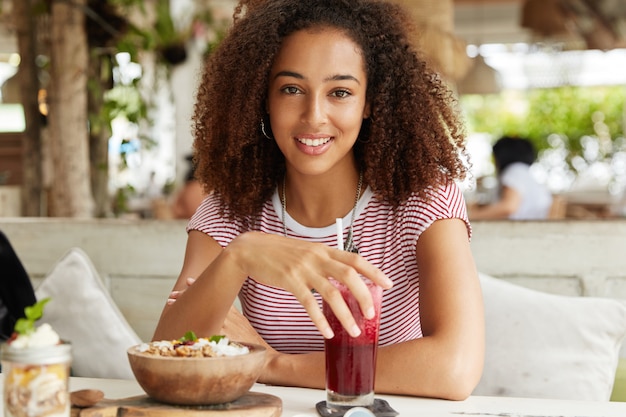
point(365, 268)
point(299, 266)
point(335, 304)
point(358, 284)
point(311, 270)
point(359, 291)
point(335, 301)
point(310, 304)
point(171, 299)
point(347, 270)
point(173, 296)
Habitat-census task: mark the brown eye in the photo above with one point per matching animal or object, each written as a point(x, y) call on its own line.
point(291, 90)
point(341, 93)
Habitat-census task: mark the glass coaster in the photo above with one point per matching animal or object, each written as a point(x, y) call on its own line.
point(381, 408)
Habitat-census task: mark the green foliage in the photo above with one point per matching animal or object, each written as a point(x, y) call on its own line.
point(164, 25)
point(135, 40)
point(120, 201)
point(163, 33)
point(571, 112)
point(128, 3)
point(125, 100)
point(156, 33)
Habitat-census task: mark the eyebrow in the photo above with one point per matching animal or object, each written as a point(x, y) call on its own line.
point(337, 77)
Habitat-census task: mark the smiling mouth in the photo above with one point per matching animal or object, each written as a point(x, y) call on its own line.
point(314, 142)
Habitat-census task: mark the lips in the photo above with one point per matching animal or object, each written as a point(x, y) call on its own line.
point(314, 142)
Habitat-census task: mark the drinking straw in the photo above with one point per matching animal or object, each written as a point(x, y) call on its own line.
point(339, 233)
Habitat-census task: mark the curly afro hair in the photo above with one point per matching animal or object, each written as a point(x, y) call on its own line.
point(413, 141)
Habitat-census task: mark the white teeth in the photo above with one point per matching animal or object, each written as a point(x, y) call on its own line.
point(314, 142)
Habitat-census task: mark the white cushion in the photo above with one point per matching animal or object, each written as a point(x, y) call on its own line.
point(83, 313)
point(549, 346)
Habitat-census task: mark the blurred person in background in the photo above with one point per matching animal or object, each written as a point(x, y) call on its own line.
point(520, 196)
point(189, 196)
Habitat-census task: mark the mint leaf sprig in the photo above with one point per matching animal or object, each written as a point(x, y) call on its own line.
point(26, 325)
point(188, 337)
point(216, 338)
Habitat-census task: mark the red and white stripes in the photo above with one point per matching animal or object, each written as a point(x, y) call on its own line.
point(386, 238)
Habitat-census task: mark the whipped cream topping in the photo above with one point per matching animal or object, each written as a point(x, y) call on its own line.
point(223, 347)
point(43, 335)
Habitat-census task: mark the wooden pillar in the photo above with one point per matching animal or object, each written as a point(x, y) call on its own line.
point(32, 182)
point(435, 37)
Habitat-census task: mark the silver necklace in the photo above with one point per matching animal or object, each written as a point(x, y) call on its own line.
point(349, 244)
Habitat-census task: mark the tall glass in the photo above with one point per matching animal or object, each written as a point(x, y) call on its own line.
point(351, 361)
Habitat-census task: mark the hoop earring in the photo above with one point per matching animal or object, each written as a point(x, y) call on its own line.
point(263, 130)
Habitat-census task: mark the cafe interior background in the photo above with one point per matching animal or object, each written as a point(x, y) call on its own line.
point(550, 70)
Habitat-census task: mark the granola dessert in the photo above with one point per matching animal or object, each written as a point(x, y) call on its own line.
point(190, 346)
point(35, 364)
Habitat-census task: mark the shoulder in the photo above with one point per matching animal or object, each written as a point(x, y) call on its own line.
point(442, 202)
point(209, 207)
point(211, 218)
point(516, 169)
point(516, 174)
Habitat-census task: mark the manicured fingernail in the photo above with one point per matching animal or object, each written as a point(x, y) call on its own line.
point(328, 333)
point(370, 313)
point(170, 301)
point(355, 331)
point(190, 280)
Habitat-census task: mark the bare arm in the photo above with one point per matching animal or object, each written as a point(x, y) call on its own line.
point(294, 265)
point(508, 203)
point(448, 361)
point(189, 313)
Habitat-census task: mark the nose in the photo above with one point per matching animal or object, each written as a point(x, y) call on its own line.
point(314, 112)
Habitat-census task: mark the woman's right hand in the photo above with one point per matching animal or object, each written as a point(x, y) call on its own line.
point(299, 266)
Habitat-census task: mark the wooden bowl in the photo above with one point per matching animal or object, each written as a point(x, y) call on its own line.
point(197, 381)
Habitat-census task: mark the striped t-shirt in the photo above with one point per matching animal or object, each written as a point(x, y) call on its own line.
point(386, 238)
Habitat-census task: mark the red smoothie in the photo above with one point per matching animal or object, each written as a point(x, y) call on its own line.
point(351, 361)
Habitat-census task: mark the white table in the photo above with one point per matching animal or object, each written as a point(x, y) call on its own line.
point(300, 402)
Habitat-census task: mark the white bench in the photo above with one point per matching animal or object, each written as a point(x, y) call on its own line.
point(138, 261)
point(569, 257)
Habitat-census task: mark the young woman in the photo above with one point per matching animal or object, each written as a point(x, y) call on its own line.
point(315, 110)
